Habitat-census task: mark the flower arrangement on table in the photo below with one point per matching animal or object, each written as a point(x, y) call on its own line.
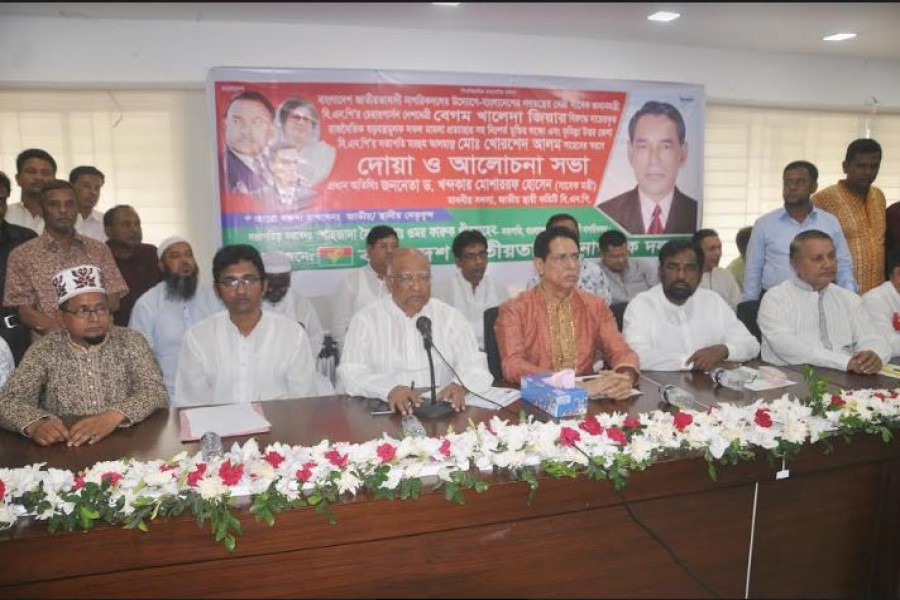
point(607, 446)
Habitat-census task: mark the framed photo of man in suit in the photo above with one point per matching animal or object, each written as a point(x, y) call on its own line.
point(657, 150)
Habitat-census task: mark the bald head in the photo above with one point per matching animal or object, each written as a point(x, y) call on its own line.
point(409, 279)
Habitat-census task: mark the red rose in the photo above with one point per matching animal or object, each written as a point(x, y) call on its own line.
point(682, 420)
point(763, 418)
point(837, 401)
point(591, 425)
point(616, 435)
point(631, 423)
point(195, 475)
point(2, 489)
point(386, 452)
point(445, 447)
point(112, 477)
point(880, 395)
point(568, 436)
point(336, 458)
point(231, 474)
point(79, 482)
point(305, 472)
point(166, 468)
point(273, 458)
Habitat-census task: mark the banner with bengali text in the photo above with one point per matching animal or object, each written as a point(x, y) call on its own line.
point(308, 161)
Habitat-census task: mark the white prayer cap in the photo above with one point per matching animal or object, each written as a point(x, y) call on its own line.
point(164, 245)
point(276, 262)
point(73, 281)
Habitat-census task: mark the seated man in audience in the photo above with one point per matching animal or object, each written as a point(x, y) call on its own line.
point(243, 354)
point(469, 290)
point(366, 284)
point(736, 267)
point(625, 276)
point(591, 277)
point(555, 326)
point(809, 319)
point(166, 311)
point(716, 278)
point(33, 265)
point(384, 356)
point(285, 300)
point(92, 374)
point(138, 262)
point(677, 326)
point(883, 303)
point(767, 262)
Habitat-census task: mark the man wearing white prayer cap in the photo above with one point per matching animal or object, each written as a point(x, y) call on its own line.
point(88, 367)
point(172, 306)
point(283, 299)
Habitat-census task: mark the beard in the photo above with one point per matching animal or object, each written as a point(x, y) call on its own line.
point(180, 287)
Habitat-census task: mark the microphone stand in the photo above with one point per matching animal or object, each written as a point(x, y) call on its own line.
point(434, 409)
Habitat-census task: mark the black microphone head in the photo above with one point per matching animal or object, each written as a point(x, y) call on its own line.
point(423, 324)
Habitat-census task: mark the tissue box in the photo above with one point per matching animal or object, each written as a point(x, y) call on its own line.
point(558, 402)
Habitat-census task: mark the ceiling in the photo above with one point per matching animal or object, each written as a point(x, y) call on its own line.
point(762, 27)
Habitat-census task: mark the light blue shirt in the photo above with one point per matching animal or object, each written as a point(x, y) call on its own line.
point(767, 262)
point(164, 322)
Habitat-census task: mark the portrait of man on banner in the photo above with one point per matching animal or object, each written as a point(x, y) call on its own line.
point(248, 129)
point(657, 150)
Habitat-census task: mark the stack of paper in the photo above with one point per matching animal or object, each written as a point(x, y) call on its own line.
point(502, 396)
point(226, 420)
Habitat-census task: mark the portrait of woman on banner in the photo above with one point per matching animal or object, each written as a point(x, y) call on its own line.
point(299, 125)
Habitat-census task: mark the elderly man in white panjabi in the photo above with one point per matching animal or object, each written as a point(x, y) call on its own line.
point(244, 354)
point(678, 326)
point(809, 319)
point(384, 356)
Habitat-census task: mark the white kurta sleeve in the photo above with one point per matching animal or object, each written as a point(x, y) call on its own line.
point(741, 344)
point(881, 314)
point(467, 360)
point(302, 378)
point(866, 333)
point(307, 315)
point(637, 329)
point(356, 375)
point(342, 308)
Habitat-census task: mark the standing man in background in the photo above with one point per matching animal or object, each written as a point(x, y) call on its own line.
point(736, 267)
point(716, 278)
point(34, 169)
point(469, 290)
point(860, 208)
point(87, 182)
point(136, 261)
point(625, 276)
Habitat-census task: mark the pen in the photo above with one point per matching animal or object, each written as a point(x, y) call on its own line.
point(412, 385)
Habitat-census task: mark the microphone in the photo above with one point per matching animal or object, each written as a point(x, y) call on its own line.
point(423, 324)
point(434, 410)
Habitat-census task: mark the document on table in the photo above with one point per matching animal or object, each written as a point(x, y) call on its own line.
point(227, 420)
point(769, 379)
point(634, 391)
point(890, 370)
point(502, 396)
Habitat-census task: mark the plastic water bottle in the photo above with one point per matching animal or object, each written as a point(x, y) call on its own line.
point(210, 446)
point(412, 426)
point(680, 398)
point(729, 378)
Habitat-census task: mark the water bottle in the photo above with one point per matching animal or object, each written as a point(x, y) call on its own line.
point(210, 446)
point(411, 426)
point(680, 398)
point(327, 360)
point(732, 379)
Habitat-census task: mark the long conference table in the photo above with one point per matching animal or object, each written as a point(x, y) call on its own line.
point(828, 530)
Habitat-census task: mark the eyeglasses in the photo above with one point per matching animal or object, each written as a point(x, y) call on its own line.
point(386, 245)
point(409, 279)
point(475, 255)
point(303, 118)
point(83, 312)
point(234, 282)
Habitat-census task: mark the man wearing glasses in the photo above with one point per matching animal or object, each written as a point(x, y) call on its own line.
point(243, 354)
point(555, 326)
point(384, 355)
point(79, 383)
point(469, 290)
